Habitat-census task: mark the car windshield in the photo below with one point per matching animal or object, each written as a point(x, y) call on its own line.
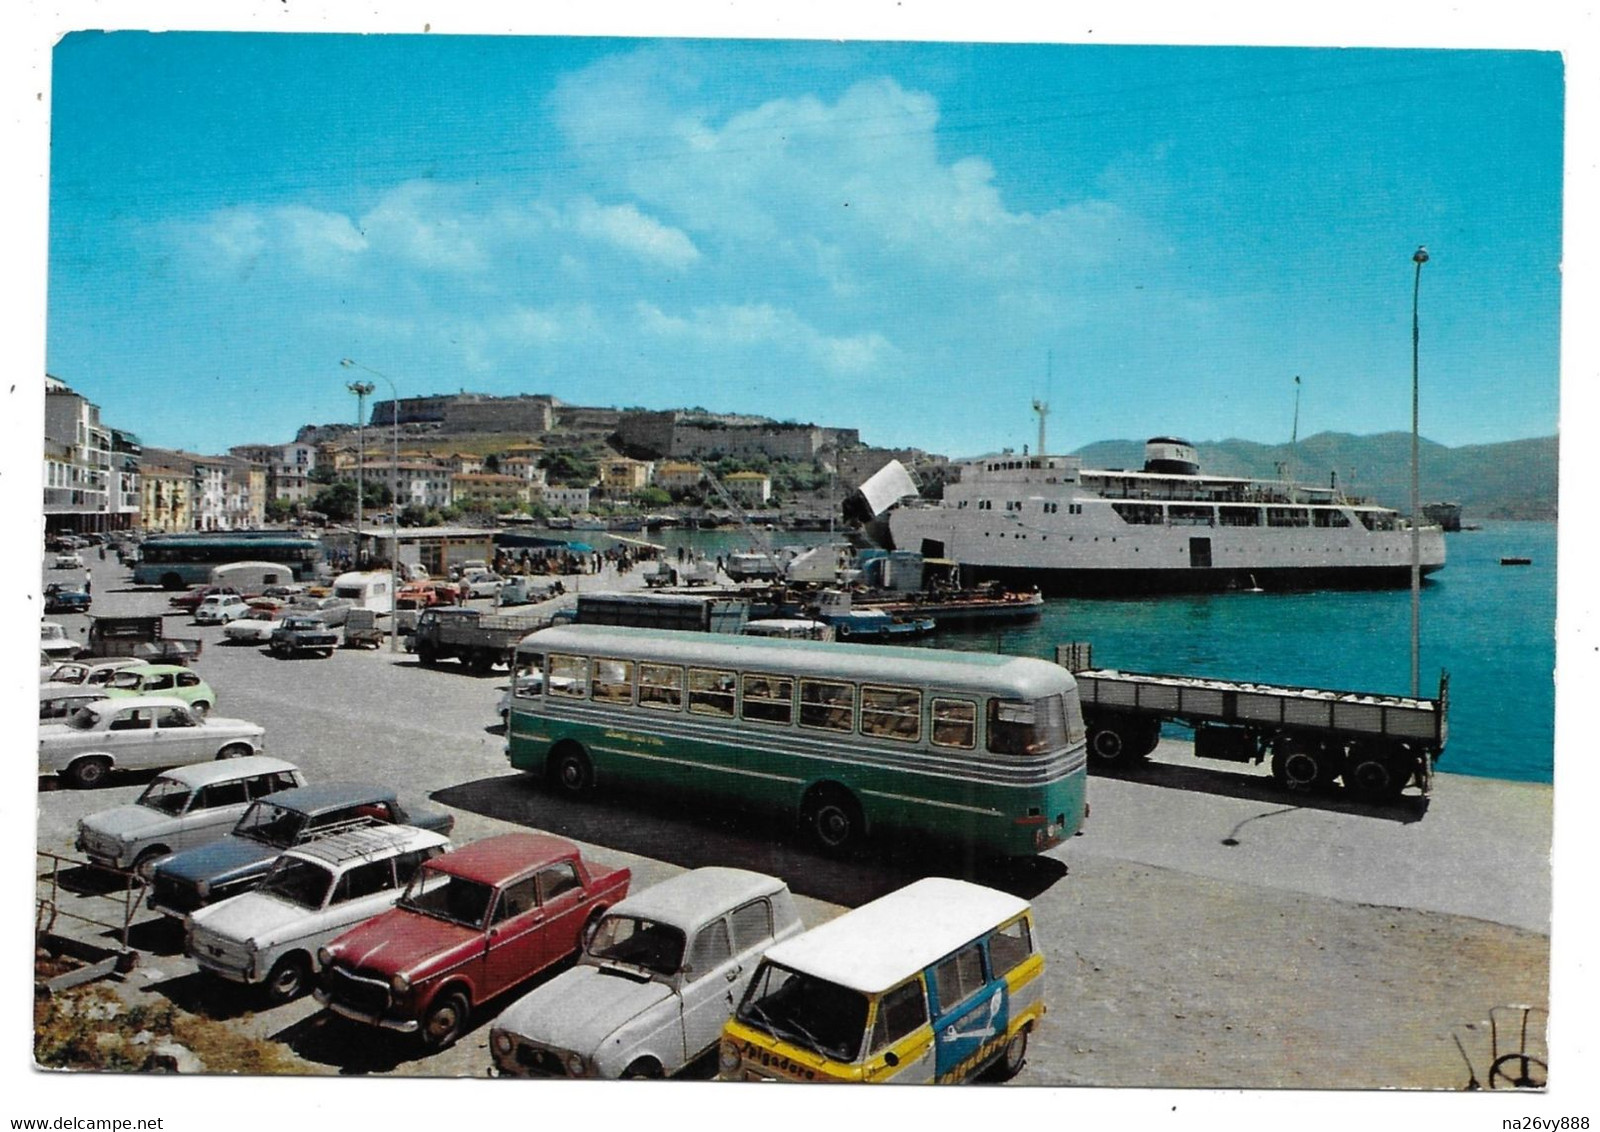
point(304, 883)
point(820, 1015)
point(271, 825)
point(165, 795)
point(84, 719)
point(649, 944)
point(446, 897)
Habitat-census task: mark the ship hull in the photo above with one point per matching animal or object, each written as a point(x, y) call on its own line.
point(1069, 582)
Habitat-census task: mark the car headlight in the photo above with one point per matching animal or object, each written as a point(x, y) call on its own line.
point(400, 984)
point(500, 1041)
point(203, 888)
point(728, 1057)
point(324, 956)
point(575, 1064)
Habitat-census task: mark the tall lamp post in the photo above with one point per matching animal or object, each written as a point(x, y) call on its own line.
point(1419, 258)
point(394, 493)
point(361, 389)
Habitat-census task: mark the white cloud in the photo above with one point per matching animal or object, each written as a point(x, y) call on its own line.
point(423, 223)
point(753, 329)
point(625, 227)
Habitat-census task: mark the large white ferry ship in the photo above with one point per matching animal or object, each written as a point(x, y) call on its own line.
point(1047, 521)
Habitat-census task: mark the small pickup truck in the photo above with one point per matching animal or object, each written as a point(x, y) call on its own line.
point(478, 639)
point(297, 635)
point(473, 924)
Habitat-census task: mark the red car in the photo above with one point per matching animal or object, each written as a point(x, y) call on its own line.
point(473, 924)
point(190, 600)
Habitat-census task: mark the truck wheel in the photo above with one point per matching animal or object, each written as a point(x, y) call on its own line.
point(88, 773)
point(1302, 764)
point(289, 978)
point(571, 772)
point(426, 656)
point(833, 819)
point(1376, 773)
point(446, 1020)
point(1116, 740)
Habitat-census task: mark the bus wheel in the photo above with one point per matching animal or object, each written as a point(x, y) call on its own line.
point(833, 819)
point(1301, 764)
point(1012, 1060)
point(171, 582)
point(570, 770)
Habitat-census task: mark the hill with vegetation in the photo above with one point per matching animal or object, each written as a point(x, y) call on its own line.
point(1516, 479)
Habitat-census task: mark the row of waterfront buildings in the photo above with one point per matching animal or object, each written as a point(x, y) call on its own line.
point(101, 478)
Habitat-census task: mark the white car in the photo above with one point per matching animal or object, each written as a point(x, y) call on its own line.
point(139, 732)
point(255, 628)
point(315, 891)
point(68, 560)
point(54, 640)
point(185, 806)
point(92, 672)
point(219, 609)
point(481, 583)
point(658, 979)
point(57, 701)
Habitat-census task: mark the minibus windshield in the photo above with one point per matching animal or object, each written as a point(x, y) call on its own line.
point(803, 1010)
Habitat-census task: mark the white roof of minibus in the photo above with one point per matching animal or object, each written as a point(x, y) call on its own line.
point(880, 944)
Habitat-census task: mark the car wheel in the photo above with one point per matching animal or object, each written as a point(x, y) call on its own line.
point(234, 751)
point(289, 978)
point(446, 1020)
point(201, 708)
point(1012, 1060)
point(645, 1069)
point(87, 773)
point(144, 864)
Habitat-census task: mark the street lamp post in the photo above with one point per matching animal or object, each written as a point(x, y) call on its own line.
point(394, 495)
point(361, 389)
point(1419, 258)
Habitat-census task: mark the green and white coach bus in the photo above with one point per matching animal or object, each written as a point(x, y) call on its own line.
point(851, 739)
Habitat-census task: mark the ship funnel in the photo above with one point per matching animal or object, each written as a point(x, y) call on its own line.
point(1168, 455)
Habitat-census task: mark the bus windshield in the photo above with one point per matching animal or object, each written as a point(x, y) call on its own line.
point(1027, 727)
point(804, 1010)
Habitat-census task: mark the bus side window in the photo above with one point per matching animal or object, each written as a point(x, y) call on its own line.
point(769, 699)
point(568, 675)
point(661, 686)
point(711, 692)
point(901, 1012)
point(613, 681)
point(955, 724)
point(1009, 946)
point(892, 713)
point(827, 705)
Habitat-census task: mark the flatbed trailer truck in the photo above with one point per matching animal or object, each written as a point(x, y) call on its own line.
point(1376, 744)
point(479, 640)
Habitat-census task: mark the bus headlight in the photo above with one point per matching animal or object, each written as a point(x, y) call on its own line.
point(728, 1057)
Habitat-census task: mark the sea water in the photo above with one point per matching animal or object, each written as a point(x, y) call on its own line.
point(1491, 627)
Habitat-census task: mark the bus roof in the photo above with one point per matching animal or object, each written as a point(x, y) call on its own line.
point(1025, 677)
point(881, 944)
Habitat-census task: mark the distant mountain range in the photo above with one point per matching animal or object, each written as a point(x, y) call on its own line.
point(1513, 480)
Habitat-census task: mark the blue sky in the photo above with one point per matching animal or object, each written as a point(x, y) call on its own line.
point(914, 239)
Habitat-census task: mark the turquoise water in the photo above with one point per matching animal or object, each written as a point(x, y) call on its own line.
point(1491, 626)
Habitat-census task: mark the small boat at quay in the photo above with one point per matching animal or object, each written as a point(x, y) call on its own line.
point(1048, 521)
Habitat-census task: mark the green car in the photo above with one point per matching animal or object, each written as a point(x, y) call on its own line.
point(163, 680)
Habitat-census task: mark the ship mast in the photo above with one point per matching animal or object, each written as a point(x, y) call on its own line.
point(1043, 410)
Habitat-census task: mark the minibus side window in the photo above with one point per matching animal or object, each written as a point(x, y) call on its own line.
point(711, 692)
point(955, 723)
point(828, 705)
point(568, 675)
point(892, 713)
point(1009, 946)
point(661, 686)
point(769, 699)
point(901, 1012)
point(613, 681)
point(959, 976)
